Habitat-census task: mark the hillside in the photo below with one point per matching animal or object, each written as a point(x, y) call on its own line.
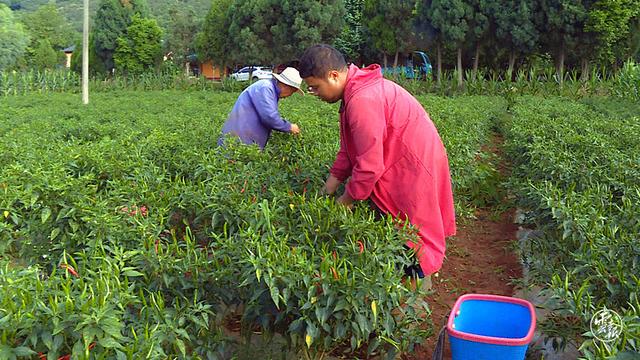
point(73, 8)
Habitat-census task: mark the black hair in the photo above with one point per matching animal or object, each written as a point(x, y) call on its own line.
point(318, 60)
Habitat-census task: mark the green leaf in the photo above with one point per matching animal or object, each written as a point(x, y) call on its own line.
point(626, 355)
point(341, 305)
point(133, 273)
point(120, 355)
point(363, 323)
point(47, 339)
point(54, 233)
point(78, 350)
point(181, 346)
point(23, 351)
point(275, 295)
point(6, 352)
point(46, 213)
point(109, 343)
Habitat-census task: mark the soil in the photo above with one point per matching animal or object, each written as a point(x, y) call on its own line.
point(480, 259)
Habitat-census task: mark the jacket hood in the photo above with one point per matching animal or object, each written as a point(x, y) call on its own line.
point(358, 79)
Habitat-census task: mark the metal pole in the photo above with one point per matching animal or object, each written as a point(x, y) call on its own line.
point(85, 54)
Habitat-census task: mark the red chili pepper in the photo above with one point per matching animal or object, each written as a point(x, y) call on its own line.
point(335, 255)
point(69, 269)
point(361, 246)
point(335, 273)
point(243, 187)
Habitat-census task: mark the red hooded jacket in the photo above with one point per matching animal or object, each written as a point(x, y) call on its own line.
point(394, 155)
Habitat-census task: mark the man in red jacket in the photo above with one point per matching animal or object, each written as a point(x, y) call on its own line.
point(390, 151)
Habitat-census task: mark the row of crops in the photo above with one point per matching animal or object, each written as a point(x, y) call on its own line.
point(623, 83)
point(577, 174)
point(126, 233)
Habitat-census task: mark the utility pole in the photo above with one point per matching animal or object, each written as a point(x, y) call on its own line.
point(85, 54)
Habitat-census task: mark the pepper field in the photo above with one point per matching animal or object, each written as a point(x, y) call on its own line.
point(126, 233)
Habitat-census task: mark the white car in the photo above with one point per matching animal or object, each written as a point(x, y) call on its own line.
point(259, 73)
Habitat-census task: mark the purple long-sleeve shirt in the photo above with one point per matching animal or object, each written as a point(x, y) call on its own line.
point(255, 114)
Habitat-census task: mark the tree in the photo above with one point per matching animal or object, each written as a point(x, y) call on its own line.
point(141, 48)
point(13, 38)
point(634, 39)
point(44, 56)
point(479, 29)
point(450, 18)
point(515, 27)
point(111, 22)
point(181, 32)
point(351, 39)
point(428, 34)
point(50, 33)
point(390, 23)
point(563, 22)
point(97, 66)
point(213, 42)
point(272, 31)
point(611, 20)
point(306, 23)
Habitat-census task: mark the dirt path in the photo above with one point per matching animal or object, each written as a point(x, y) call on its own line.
point(479, 259)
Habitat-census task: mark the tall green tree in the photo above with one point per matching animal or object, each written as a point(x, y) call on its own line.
point(111, 22)
point(96, 66)
point(140, 49)
point(634, 39)
point(13, 39)
point(611, 20)
point(50, 33)
point(514, 22)
point(563, 22)
point(213, 42)
point(181, 33)
point(479, 29)
point(44, 56)
point(274, 31)
point(450, 18)
point(390, 23)
point(428, 34)
point(352, 38)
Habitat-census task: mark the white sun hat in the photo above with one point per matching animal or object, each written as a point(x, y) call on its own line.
point(290, 76)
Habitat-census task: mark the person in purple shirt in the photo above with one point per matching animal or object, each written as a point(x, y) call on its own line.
point(255, 113)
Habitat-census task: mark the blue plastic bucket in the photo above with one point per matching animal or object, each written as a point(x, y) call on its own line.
point(490, 327)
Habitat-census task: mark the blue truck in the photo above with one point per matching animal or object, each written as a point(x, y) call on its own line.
point(416, 66)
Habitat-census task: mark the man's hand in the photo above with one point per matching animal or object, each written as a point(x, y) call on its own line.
point(346, 200)
point(295, 130)
point(331, 185)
